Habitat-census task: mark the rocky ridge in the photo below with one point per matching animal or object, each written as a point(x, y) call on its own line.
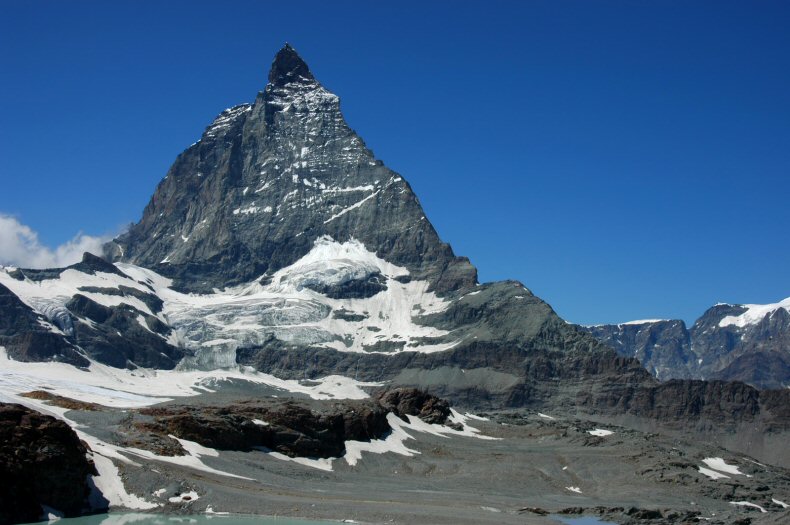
point(749, 343)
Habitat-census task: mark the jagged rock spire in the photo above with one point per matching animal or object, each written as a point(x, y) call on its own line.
point(288, 66)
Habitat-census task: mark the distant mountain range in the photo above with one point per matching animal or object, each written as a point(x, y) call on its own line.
point(731, 342)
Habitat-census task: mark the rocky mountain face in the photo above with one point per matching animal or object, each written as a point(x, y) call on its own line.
point(90, 310)
point(278, 243)
point(749, 343)
point(266, 180)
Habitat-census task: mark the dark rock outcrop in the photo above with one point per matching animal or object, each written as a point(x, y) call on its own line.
point(295, 428)
point(288, 427)
point(412, 402)
point(90, 264)
point(42, 463)
point(117, 338)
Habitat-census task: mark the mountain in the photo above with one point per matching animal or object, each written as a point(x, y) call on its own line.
point(284, 304)
point(749, 343)
point(278, 241)
point(268, 179)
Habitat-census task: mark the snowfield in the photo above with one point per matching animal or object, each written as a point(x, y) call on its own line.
point(287, 308)
point(754, 313)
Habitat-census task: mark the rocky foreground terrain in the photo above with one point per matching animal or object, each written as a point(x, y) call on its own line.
point(402, 456)
point(284, 333)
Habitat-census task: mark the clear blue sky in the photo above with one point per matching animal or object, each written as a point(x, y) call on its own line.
point(622, 159)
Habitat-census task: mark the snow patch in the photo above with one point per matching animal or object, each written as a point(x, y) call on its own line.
point(754, 313)
point(190, 461)
point(184, 497)
point(392, 443)
point(722, 466)
point(195, 449)
point(324, 464)
point(748, 504)
point(600, 432)
point(577, 490)
point(642, 321)
point(114, 387)
point(111, 487)
point(712, 474)
point(352, 207)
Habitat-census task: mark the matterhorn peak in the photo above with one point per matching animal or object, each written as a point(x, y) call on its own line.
point(288, 67)
point(267, 180)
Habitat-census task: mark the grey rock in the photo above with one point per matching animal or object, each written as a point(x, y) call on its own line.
point(266, 180)
point(757, 353)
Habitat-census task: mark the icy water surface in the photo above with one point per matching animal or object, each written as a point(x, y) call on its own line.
point(159, 519)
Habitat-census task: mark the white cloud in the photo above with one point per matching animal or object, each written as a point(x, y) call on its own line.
point(20, 246)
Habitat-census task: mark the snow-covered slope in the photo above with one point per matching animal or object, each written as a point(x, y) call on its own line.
point(290, 308)
point(339, 295)
point(754, 313)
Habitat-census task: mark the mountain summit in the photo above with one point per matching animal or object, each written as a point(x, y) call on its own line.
point(288, 66)
point(266, 180)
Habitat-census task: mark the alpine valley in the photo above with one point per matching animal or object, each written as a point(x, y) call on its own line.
point(284, 333)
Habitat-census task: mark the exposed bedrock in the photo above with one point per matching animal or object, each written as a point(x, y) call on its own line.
point(490, 376)
point(292, 427)
point(413, 402)
point(26, 336)
point(42, 464)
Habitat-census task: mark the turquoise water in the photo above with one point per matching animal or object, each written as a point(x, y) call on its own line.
point(584, 520)
point(159, 519)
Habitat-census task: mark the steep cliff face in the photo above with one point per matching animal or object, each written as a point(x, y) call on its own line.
point(269, 178)
point(749, 343)
point(661, 346)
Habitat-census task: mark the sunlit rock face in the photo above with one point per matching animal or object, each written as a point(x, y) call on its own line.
point(269, 178)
